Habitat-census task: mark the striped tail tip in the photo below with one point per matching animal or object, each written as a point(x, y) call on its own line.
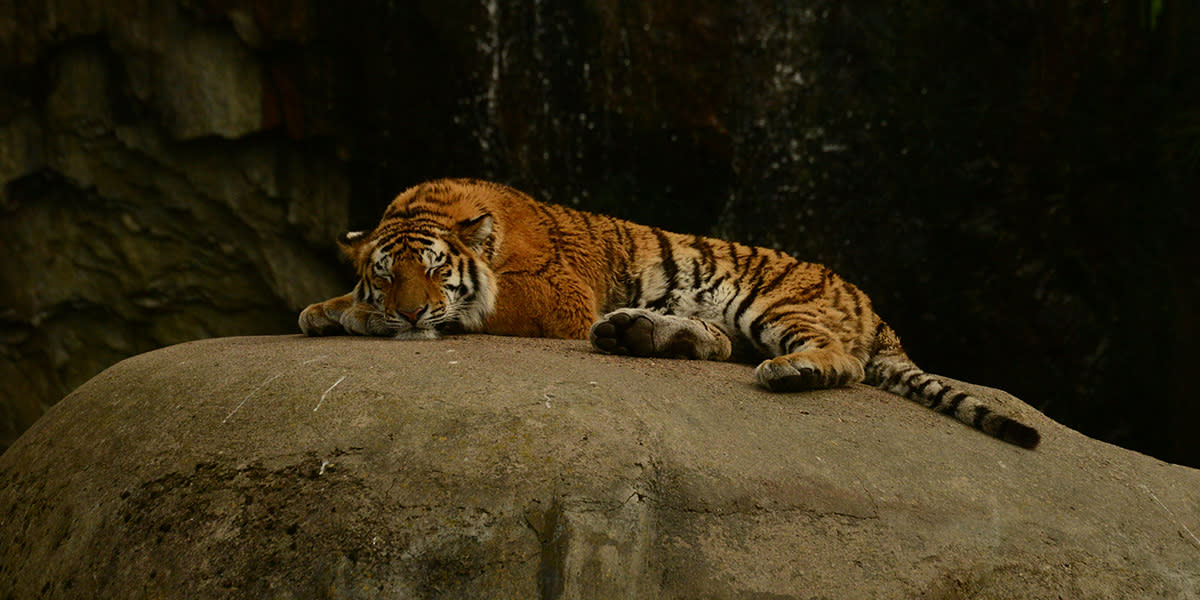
point(896, 373)
point(1015, 432)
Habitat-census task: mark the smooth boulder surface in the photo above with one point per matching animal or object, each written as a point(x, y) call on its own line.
point(483, 467)
point(1018, 200)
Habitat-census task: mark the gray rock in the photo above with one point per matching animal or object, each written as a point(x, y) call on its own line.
point(121, 235)
point(195, 160)
point(478, 467)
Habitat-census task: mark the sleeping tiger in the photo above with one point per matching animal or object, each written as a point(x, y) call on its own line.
point(461, 255)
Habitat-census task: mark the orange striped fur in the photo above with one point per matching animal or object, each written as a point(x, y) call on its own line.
point(472, 256)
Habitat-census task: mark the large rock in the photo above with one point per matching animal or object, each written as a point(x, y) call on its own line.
point(178, 169)
point(479, 467)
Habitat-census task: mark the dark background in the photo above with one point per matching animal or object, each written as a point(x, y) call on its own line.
point(1014, 183)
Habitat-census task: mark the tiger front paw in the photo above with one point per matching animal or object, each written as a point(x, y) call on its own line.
point(343, 315)
point(315, 320)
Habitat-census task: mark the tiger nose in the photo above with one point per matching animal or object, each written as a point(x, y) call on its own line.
point(411, 315)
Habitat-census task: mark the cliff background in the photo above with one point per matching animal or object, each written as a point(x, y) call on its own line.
point(1014, 184)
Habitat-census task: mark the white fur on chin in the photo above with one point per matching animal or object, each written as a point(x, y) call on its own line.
point(417, 334)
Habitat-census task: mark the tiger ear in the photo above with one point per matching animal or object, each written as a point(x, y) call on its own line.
point(353, 242)
point(476, 233)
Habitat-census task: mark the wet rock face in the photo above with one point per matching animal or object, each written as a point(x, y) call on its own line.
point(139, 206)
point(1012, 197)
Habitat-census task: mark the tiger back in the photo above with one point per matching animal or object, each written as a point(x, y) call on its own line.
point(460, 255)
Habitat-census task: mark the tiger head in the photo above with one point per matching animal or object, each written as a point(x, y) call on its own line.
point(424, 277)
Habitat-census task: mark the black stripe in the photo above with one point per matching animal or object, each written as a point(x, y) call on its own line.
point(630, 242)
point(610, 257)
point(555, 235)
point(796, 315)
point(635, 293)
point(750, 261)
point(981, 413)
point(425, 238)
point(904, 374)
point(426, 227)
point(705, 249)
point(880, 327)
point(928, 382)
point(751, 295)
point(706, 263)
point(952, 406)
point(909, 376)
point(744, 305)
point(421, 240)
point(731, 248)
point(555, 224)
point(435, 194)
point(1011, 430)
point(660, 303)
point(778, 279)
point(937, 398)
point(858, 305)
point(618, 231)
point(667, 253)
point(712, 286)
point(413, 214)
point(803, 298)
point(633, 288)
point(791, 338)
point(670, 270)
point(1007, 430)
point(837, 296)
point(760, 322)
point(472, 274)
point(635, 278)
point(892, 379)
point(749, 271)
point(614, 246)
point(906, 380)
point(465, 222)
point(786, 300)
point(587, 222)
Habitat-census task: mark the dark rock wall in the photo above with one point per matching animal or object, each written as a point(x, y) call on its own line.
point(1013, 183)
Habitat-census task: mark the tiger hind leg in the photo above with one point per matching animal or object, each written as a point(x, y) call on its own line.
point(815, 367)
point(642, 332)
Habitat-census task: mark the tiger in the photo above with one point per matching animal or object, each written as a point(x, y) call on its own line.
point(470, 256)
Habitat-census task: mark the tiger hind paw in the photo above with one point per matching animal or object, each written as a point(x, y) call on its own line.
point(808, 371)
point(641, 332)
